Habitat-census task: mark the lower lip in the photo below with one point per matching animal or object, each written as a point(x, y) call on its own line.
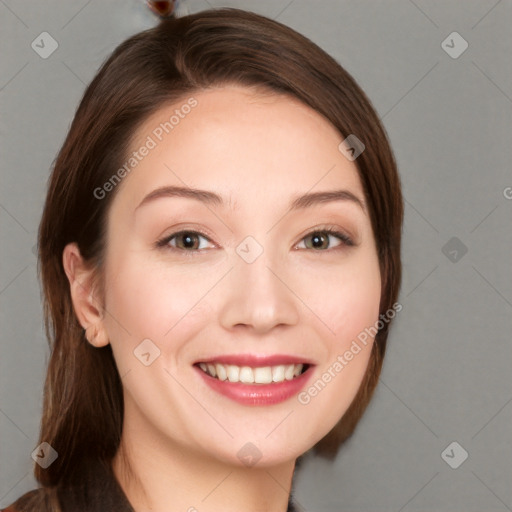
point(258, 394)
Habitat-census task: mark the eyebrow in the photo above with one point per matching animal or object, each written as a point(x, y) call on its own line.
point(210, 198)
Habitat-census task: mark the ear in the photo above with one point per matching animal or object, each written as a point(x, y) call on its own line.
point(86, 303)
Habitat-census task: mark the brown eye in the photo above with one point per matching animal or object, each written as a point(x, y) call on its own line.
point(320, 239)
point(184, 240)
point(188, 241)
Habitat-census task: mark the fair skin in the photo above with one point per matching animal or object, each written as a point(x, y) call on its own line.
point(259, 152)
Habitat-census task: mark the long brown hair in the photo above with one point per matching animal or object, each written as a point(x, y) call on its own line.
point(83, 399)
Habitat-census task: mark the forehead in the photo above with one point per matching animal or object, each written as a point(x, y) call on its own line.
point(239, 142)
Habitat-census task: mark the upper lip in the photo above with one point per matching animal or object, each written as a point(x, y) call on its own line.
point(256, 360)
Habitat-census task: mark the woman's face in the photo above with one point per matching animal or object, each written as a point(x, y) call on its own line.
point(251, 276)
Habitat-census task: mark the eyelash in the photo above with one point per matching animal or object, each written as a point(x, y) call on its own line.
point(163, 243)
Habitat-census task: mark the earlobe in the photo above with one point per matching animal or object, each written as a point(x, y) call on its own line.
point(88, 308)
point(96, 336)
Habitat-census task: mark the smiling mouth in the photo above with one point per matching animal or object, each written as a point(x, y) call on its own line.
point(253, 375)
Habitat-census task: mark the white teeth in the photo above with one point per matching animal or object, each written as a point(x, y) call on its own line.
point(263, 375)
point(233, 372)
point(211, 370)
point(278, 373)
point(288, 373)
point(221, 372)
point(248, 375)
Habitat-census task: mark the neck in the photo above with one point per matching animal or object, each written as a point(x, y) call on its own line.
point(159, 475)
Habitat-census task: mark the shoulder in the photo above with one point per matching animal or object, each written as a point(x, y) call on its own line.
point(29, 502)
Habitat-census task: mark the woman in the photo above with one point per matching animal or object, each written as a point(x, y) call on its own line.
point(220, 260)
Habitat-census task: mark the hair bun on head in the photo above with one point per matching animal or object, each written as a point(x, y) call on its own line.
point(164, 8)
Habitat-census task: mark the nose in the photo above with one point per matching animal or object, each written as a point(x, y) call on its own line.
point(259, 296)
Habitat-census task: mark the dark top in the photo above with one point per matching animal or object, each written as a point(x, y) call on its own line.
point(99, 491)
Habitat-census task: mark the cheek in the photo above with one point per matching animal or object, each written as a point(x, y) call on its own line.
point(350, 307)
point(140, 301)
point(357, 303)
point(345, 298)
point(147, 299)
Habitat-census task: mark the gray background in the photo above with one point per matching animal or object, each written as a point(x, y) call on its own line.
point(447, 375)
